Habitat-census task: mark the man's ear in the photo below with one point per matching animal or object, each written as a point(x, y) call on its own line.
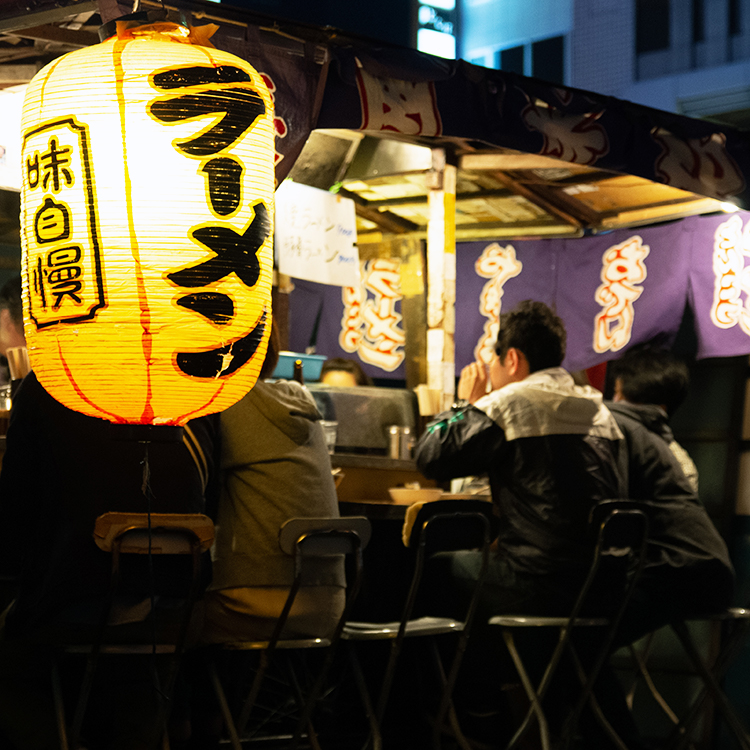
point(512, 360)
point(517, 364)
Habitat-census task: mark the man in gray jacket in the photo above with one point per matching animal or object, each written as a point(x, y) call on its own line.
point(274, 466)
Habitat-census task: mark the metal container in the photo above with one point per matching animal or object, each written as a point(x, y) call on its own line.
point(394, 440)
point(406, 443)
point(400, 441)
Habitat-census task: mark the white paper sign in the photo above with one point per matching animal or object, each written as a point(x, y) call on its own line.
point(316, 235)
point(11, 100)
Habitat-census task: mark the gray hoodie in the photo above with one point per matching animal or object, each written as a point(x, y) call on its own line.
point(275, 466)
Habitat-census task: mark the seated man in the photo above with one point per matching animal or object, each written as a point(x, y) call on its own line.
point(550, 449)
point(343, 372)
point(274, 466)
point(61, 470)
point(688, 571)
point(11, 322)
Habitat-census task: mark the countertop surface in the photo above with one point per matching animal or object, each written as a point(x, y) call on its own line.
point(365, 461)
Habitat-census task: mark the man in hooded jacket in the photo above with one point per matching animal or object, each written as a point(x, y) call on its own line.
point(274, 466)
point(688, 571)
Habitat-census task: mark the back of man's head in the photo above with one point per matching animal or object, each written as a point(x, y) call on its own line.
point(649, 374)
point(532, 328)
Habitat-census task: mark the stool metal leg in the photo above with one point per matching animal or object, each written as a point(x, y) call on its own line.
point(587, 696)
point(641, 663)
point(224, 706)
point(62, 731)
point(446, 709)
point(305, 708)
point(375, 739)
point(535, 700)
point(712, 686)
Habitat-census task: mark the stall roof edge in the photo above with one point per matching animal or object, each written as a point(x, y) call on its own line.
point(532, 158)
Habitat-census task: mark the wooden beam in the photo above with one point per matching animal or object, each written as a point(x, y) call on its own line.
point(36, 17)
point(58, 35)
point(387, 221)
point(536, 196)
point(441, 279)
point(416, 200)
point(493, 162)
point(15, 74)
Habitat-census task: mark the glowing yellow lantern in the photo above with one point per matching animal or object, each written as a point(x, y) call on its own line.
point(147, 214)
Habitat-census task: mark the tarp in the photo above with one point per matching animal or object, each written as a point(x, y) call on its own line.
point(612, 291)
point(321, 77)
point(420, 95)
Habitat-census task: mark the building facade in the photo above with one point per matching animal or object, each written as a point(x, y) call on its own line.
point(686, 56)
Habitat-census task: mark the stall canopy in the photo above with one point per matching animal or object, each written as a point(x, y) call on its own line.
point(535, 162)
point(534, 159)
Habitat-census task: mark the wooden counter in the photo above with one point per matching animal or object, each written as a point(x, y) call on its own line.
point(369, 477)
point(385, 510)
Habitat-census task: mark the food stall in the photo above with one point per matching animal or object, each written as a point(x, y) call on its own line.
point(444, 160)
point(472, 188)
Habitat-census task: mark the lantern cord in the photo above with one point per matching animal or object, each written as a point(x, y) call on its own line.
point(148, 494)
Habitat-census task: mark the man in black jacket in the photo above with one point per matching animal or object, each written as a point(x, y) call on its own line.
point(550, 449)
point(688, 571)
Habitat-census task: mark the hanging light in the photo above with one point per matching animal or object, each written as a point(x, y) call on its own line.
point(147, 214)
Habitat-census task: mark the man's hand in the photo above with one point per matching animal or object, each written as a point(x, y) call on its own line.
point(472, 384)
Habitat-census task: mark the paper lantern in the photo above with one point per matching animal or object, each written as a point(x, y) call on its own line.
point(147, 210)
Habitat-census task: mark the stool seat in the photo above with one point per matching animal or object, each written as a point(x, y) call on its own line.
point(525, 621)
point(620, 531)
point(363, 631)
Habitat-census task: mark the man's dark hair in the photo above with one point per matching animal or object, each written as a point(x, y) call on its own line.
point(652, 375)
point(346, 365)
point(10, 299)
point(535, 330)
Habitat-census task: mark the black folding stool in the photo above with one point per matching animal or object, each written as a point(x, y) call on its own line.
point(303, 539)
point(621, 534)
point(429, 527)
point(159, 534)
point(735, 622)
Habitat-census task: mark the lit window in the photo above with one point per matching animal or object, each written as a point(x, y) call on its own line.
point(735, 18)
point(436, 43)
point(442, 4)
point(547, 59)
point(512, 60)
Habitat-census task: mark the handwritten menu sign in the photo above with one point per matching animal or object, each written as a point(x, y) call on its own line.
point(316, 235)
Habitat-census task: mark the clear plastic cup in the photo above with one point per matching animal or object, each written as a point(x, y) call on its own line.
point(329, 431)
